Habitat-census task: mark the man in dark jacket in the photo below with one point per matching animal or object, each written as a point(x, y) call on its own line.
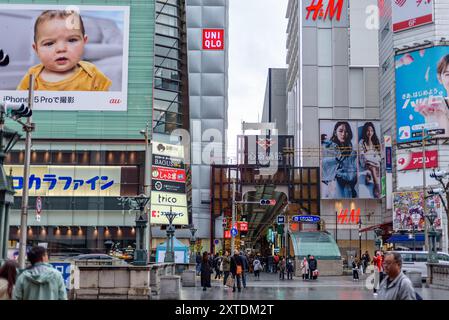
point(198, 263)
point(236, 260)
point(245, 267)
point(313, 265)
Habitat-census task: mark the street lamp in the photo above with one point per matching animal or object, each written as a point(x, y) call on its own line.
point(170, 254)
point(432, 234)
point(8, 138)
point(360, 239)
point(138, 204)
point(147, 181)
point(415, 220)
point(192, 243)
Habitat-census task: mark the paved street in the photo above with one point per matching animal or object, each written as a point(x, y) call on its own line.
point(269, 287)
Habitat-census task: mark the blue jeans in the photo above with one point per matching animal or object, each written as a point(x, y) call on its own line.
point(237, 279)
point(243, 279)
point(198, 268)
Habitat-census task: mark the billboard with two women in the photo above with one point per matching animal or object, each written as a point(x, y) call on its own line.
point(422, 88)
point(350, 159)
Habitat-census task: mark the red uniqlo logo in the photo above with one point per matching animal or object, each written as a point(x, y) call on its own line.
point(213, 39)
point(318, 10)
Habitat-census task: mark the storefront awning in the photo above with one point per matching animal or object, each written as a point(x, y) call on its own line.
point(404, 238)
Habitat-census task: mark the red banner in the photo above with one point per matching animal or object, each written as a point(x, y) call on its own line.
point(413, 161)
point(227, 234)
point(168, 174)
point(242, 225)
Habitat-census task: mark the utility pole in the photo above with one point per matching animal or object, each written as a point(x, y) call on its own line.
point(233, 218)
point(28, 128)
point(147, 181)
point(286, 224)
point(424, 187)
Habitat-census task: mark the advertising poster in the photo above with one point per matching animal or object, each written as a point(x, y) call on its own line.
point(408, 210)
point(78, 56)
point(168, 184)
point(408, 14)
point(414, 160)
point(422, 85)
point(350, 160)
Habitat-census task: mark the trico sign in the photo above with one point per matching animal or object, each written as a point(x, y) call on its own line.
point(213, 39)
point(334, 8)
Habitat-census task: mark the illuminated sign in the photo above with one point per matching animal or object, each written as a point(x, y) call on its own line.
point(213, 39)
point(167, 186)
point(408, 14)
point(158, 215)
point(227, 234)
point(344, 218)
point(412, 161)
point(76, 181)
point(242, 225)
point(168, 199)
point(306, 219)
point(334, 8)
point(167, 174)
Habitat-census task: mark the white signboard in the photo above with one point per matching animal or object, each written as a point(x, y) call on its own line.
point(179, 256)
point(168, 199)
point(408, 14)
point(169, 150)
point(158, 215)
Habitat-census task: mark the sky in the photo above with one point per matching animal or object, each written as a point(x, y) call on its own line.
point(257, 41)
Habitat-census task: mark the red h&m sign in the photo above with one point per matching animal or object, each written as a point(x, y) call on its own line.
point(213, 39)
point(344, 218)
point(414, 161)
point(334, 7)
point(227, 234)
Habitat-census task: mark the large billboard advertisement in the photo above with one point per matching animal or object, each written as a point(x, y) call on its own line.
point(78, 56)
point(408, 14)
point(168, 184)
point(350, 159)
point(422, 86)
point(408, 210)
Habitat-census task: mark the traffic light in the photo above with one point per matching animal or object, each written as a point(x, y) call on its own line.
point(15, 111)
point(267, 202)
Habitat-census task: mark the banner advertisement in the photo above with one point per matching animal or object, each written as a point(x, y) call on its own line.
point(68, 181)
point(422, 86)
point(78, 56)
point(158, 215)
point(408, 14)
point(350, 159)
point(168, 184)
point(408, 210)
point(266, 150)
point(414, 160)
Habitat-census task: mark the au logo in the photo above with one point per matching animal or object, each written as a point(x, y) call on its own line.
point(4, 59)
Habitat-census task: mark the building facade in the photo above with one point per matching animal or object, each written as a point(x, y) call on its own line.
point(332, 82)
point(275, 101)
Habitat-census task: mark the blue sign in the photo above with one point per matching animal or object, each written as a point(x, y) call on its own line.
point(234, 232)
point(216, 241)
point(281, 219)
point(306, 219)
point(388, 159)
point(64, 268)
point(422, 89)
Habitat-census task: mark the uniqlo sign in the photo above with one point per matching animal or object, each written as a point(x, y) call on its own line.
point(413, 161)
point(213, 39)
point(408, 14)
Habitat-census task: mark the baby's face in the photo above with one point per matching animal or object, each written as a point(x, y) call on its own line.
point(59, 48)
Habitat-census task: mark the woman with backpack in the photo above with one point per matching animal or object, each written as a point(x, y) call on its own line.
point(257, 267)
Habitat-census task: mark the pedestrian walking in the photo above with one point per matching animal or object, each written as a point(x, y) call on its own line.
point(290, 269)
point(270, 264)
point(396, 286)
point(257, 266)
point(313, 268)
point(237, 270)
point(282, 267)
point(198, 263)
point(226, 263)
point(217, 264)
point(206, 270)
point(276, 263)
point(378, 271)
point(40, 281)
point(355, 271)
point(8, 275)
point(304, 269)
point(366, 260)
point(245, 268)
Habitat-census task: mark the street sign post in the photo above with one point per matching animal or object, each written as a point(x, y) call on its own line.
point(306, 219)
point(234, 231)
point(281, 219)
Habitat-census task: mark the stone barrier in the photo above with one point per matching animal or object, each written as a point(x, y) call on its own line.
point(170, 287)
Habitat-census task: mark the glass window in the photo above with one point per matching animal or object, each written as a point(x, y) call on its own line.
point(166, 73)
point(421, 257)
point(166, 62)
point(161, 83)
point(407, 257)
point(166, 95)
point(169, 20)
point(166, 105)
point(165, 8)
point(167, 52)
point(167, 30)
point(166, 41)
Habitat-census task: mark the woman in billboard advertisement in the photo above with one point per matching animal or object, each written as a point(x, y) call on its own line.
point(370, 158)
point(339, 163)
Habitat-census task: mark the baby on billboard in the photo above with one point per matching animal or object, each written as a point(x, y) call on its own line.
point(59, 42)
